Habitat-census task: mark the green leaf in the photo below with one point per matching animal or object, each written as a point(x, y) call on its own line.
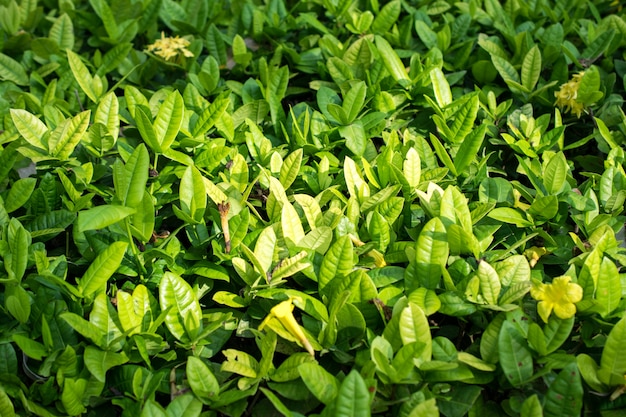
point(589, 371)
point(201, 380)
point(468, 151)
point(531, 407)
point(556, 332)
point(411, 168)
point(31, 348)
point(210, 116)
point(276, 402)
point(113, 58)
point(489, 339)
point(565, 394)
point(354, 134)
point(353, 398)
point(509, 215)
point(443, 155)
point(142, 222)
point(19, 240)
point(609, 288)
point(505, 69)
point(531, 68)
point(290, 169)
point(98, 362)
point(132, 309)
point(169, 120)
point(490, 285)
point(31, 128)
point(62, 32)
point(186, 405)
point(431, 256)
point(6, 406)
point(264, 250)
point(214, 192)
point(17, 302)
point(72, 395)
point(11, 70)
point(291, 224)
point(426, 299)
point(320, 383)
point(275, 92)
point(515, 357)
point(130, 181)
point(101, 269)
point(414, 327)
point(613, 361)
point(19, 193)
point(289, 369)
point(354, 100)
point(464, 120)
point(107, 114)
point(68, 135)
point(544, 207)
point(184, 315)
point(100, 217)
point(82, 75)
point(338, 262)
point(192, 194)
point(392, 61)
point(555, 174)
point(427, 408)
point(354, 181)
point(105, 13)
point(386, 17)
point(454, 209)
point(443, 94)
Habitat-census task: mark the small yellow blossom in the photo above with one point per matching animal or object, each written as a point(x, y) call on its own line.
point(170, 48)
point(566, 96)
point(560, 296)
point(533, 254)
point(379, 258)
point(283, 311)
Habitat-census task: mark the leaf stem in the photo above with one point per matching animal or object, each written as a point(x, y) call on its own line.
point(142, 270)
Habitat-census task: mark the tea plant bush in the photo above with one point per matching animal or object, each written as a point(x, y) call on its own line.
point(314, 207)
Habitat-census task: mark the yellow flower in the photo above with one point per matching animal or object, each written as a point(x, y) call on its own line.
point(283, 311)
point(566, 96)
point(560, 296)
point(379, 258)
point(170, 48)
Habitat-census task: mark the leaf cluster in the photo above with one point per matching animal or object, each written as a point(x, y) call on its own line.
point(321, 207)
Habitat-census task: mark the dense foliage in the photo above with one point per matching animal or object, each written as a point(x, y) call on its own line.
point(316, 207)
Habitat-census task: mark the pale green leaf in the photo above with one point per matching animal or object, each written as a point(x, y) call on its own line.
point(98, 362)
point(338, 261)
point(100, 217)
point(489, 282)
point(94, 280)
point(392, 61)
point(30, 127)
point(169, 120)
point(201, 380)
point(62, 32)
point(515, 357)
point(443, 94)
point(565, 394)
point(320, 383)
point(11, 70)
point(353, 398)
point(531, 68)
point(184, 315)
point(82, 75)
point(431, 255)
